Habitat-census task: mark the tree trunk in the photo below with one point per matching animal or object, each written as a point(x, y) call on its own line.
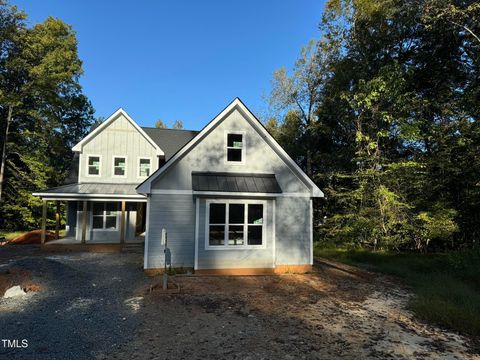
point(309, 163)
point(4, 149)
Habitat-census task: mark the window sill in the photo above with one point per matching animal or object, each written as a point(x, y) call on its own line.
point(236, 248)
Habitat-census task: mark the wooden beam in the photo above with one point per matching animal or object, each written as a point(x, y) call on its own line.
point(44, 222)
point(57, 220)
point(84, 222)
point(122, 224)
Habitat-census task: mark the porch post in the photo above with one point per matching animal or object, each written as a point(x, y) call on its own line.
point(84, 222)
point(44, 222)
point(122, 224)
point(57, 220)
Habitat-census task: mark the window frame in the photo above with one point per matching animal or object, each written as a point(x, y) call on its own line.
point(104, 216)
point(113, 166)
point(99, 165)
point(227, 203)
point(244, 146)
point(138, 166)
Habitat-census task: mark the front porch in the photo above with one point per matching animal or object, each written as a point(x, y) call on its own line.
point(111, 218)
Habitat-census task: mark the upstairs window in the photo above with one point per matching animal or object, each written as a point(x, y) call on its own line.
point(104, 215)
point(144, 167)
point(235, 225)
point(235, 148)
point(119, 166)
point(93, 166)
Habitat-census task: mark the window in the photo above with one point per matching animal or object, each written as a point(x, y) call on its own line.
point(144, 167)
point(93, 166)
point(119, 166)
point(235, 224)
point(235, 148)
point(104, 216)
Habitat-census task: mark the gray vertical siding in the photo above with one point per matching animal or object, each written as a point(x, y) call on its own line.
point(175, 213)
point(235, 258)
point(293, 231)
point(209, 155)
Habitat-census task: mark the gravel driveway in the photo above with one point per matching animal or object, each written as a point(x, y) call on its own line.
point(97, 306)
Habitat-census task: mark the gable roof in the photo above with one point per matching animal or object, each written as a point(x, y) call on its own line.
point(145, 187)
point(107, 122)
point(170, 140)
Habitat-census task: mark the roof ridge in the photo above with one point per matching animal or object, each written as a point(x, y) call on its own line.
point(153, 127)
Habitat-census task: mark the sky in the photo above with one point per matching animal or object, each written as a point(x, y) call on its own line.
point(181, 60)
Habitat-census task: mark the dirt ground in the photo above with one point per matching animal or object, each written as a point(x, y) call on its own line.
point(99, 306)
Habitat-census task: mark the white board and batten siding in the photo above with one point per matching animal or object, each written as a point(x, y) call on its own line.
point(173, 206)
point(119, 139)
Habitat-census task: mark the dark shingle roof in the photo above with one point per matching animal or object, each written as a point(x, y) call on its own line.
point(170, 140)
point(93, 188)
point(235, 182)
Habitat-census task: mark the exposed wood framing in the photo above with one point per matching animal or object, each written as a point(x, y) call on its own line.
point(122, 224)
point(57, 220)
point(44, 221)
point(84, 222)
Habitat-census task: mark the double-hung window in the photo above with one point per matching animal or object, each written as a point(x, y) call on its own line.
point(119, 166)
point(235, 149)
point(104, 215)
point(144, 167)
point(235, 224)
point(93, 165)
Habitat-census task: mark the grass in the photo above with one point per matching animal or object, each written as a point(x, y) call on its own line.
point(10, 235)
point(446, 286)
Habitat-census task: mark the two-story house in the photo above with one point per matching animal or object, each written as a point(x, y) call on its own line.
point(230, 198)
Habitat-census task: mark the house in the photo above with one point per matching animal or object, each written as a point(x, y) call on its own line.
point(230, 198)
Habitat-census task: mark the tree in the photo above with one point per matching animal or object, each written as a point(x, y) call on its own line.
point(159, 124)
point(178, 124)
point(299, 92)
point(394, 134)
point(42, 107)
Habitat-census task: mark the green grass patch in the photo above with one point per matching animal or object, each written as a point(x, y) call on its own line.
point(446, 286)
point(10, 235)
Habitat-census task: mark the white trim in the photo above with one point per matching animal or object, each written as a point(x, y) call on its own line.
point(104, 217)
point(197, 225)
point(219, 193)
point(87, 174)
point(245, 246)
point(243, 148)
point(79, 147)
point(274, 234)
point(147, 231)
point(145, 187)
point(311, 231)
point(113, 166)
point(138, 166)
point(89, 196)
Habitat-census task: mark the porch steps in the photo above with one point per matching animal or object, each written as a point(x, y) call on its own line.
point(133, 248)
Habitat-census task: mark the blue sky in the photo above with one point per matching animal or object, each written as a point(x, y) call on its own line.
point(182, 60)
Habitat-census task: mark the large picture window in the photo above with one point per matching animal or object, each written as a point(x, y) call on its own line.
point(235, 224)
point(104, 215)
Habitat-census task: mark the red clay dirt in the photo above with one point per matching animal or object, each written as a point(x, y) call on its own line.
point(31, 237)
